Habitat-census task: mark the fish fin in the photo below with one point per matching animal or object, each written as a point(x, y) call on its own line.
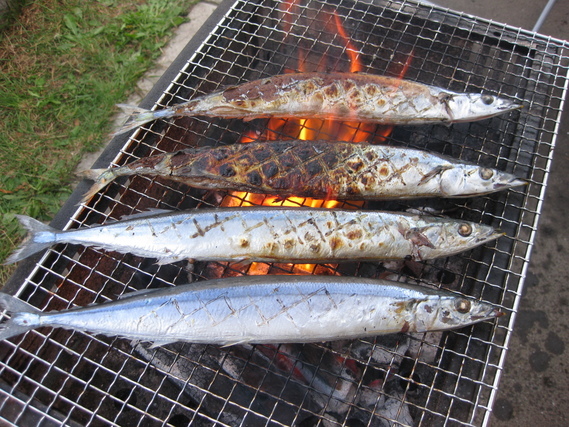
point(240, 263)
point(156, 344)
point(138, 292)
point(229, 344)
point(416, 254)
point(167, 260)
point(444, 98)
point(259, 116)
point(91, 174)
point(20, 309)
point(102, 178)
point(171, 259)
point(418, 238)
point(140, 116)
point(433, 173)
point(424, 211)
point(41, 236)
point(147, 213)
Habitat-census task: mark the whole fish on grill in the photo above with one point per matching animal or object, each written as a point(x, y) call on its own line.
point(269, 234)
point(318, 169)
point(335, 96)
point(261, 309)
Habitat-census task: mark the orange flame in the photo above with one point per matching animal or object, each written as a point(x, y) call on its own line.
point(355, 64)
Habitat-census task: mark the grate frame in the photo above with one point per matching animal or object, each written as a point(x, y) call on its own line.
point(62, 377)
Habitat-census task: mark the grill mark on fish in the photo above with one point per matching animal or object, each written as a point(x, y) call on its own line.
point(291, 305)
point(175, 229)
point(259, 311)
point(181, 313)
point(203, 307)
point(285, 311)
point(227, 171)
point(151, 228)
point(248, 228)
point(354, 234)
point(321, 169)
point(220, 223)
point(270, 170)
point(200, 231)
point(254, 178)
point(232, 311)
point(319, 231)
point(330, 298)
point(274, 233)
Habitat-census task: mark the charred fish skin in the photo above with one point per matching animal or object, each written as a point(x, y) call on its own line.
point(268, 234)
point(335, 96)
point(318, 169)
point(261, 309)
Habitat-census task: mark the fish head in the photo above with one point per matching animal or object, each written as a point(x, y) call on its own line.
point(465, 180)
point(449, 312)
point(470, 107)
point(448, 237)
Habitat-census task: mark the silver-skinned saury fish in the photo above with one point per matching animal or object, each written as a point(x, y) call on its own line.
point(270, 235)
point(355, 97)
point(318, 169)
point(261, 309)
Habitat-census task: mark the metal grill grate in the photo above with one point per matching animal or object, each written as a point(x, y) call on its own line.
point(62, 377)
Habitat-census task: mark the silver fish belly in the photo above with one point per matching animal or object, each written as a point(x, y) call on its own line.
point(356, 97)
point(268, 309)
point(270, 234)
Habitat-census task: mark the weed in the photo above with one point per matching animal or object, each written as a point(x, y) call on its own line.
point(63, 66)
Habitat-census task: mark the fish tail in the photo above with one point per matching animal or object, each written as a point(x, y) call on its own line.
point(41, 237)
point(102, 178)
point(140, 116)
point(25, 317)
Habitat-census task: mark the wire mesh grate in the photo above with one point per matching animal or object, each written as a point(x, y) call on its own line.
point(63, 377)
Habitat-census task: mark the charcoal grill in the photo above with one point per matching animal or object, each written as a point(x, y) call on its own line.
point(60, 377)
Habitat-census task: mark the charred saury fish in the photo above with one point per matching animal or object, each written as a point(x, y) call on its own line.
point(261, 309)
point(318, 169)
point(335, 96)
point(270, 234)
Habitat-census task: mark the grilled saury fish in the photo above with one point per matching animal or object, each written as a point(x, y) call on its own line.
point(336, 96)
point(261, 309)
point(269, 234)
point(319, 169)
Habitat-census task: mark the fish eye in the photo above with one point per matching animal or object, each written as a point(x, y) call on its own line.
point(486, 173)
point(465, 230)
point(487, 99)
point(463, 306)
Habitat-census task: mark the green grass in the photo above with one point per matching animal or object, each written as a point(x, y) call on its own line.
point(63, 66)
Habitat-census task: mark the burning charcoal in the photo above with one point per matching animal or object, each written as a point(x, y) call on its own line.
point(395, 412)
point(192, 373)
point(381, 351)
point(425, 347)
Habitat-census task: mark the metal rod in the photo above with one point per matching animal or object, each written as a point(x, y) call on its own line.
point(543, 15)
